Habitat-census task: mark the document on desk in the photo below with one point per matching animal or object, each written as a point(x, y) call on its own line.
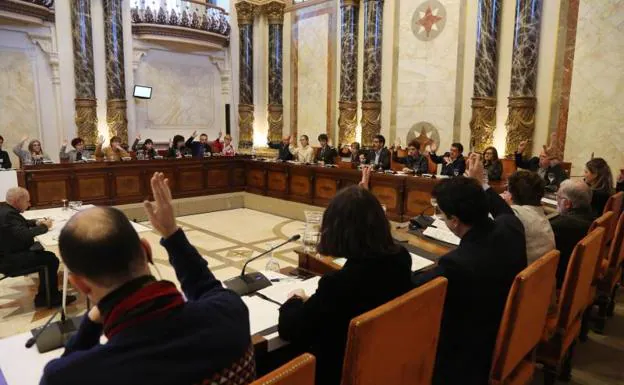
point(279, 293)
point(549, 202)
point(262, 314)
point(441, 235)
point(419, 263)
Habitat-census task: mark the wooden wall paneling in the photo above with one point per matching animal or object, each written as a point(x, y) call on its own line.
point(218, 177)
point(48, 189)
point(256, 178)
point(301, 187)
point(128, 184)
point(190, 179)
point(388, 190)
point(238, 176)
point(92, 185)
point(278, 182)
point(418, 196)
point(326, 186)
point(168, 168)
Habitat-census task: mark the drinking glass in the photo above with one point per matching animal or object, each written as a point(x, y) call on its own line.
point(551, 177)
point(272, 264)
point(436, 210)
point(312, 233)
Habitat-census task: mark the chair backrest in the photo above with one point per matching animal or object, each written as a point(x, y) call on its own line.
point(433, 166)
point(396, 342)
point(578, 278)
point(567, 168)
point(509, 167)
point(299, 371)
point(604, 222)
point(616, 251)
point(614, 203)
point(524, 317)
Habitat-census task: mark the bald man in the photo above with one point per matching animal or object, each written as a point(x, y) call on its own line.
point(284, 153)
point(18, 249)
point(155, 334)
point(574, 219)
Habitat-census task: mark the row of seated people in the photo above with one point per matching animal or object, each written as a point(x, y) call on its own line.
point(207, 336)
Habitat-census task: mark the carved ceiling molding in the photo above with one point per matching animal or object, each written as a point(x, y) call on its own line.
point(180, 38)
point(24, 12)
point(46, 43)
point(138, 53)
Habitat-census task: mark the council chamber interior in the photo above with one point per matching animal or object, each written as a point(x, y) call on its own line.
point(271, 121)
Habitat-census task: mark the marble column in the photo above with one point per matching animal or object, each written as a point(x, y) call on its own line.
point(347, 106)
point(275, 15)
point(483, 121)
point(371, 95)
point(521, 119)
point(245, 12)
point(84, 79)
point(115, 72)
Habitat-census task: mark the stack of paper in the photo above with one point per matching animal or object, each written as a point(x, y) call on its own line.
point(549, 202)
point(441, 235)
point(280, 293)
point(419, 263)
point(262, 314)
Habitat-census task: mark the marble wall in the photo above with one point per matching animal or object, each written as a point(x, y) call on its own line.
point(595, 117)
point(186, 95)
point(427, 71)
point(312, 60)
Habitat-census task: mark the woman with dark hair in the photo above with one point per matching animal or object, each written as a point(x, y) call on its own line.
point(177, 148)
point(147, 147)
point(526, 190)
point(492, 164)
point(598, 176)
point(377, 270)
point(34, 155)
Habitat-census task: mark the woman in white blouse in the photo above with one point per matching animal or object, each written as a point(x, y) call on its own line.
point(303, 153)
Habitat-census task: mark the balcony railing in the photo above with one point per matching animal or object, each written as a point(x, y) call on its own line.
point(44, 3)
point(182, 13)
point(23, 11)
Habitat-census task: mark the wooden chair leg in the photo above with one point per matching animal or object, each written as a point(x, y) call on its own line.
point(611, 304)
point(566, 367)
point(600, 321)
point(584, 335)
point(550, 375)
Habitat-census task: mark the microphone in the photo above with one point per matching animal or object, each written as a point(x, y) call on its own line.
point(252, 282)
point(31, 341)
point(53, 335)
point(421, 221)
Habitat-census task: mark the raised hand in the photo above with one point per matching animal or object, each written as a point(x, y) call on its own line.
point(522, 146)
point(220, 134)
point(194, 134)
point(293, 140)
point(138, 137)
point(100, 140)
point(65, 143)
point(24, 138)
point(475, 167)
point(433, 147)
point(366, 171)
point(160, 212)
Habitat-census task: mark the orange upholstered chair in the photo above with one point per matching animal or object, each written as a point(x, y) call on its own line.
point(396, 343)
point(523, 322)
point(612, 267)
point(555, 351)
point(614, 203)
point(299, 371)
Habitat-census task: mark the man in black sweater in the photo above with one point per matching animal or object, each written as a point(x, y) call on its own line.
point(326, 153)
point(547, 165)
point(284, 152)
point(480, 273)
point(18, 249)
point(574, 219)
point(155, 335)
point(453, 162)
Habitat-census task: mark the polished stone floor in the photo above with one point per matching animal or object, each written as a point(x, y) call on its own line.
point(227, 239)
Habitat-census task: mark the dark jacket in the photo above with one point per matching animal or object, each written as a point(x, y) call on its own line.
point(198, 149)
point(459, 164)
point(384, 158)
point(599, 201)
point(480, 272)
point(320, 325)
point(569, 229)
point(419, 163)
point(326, 154)
point(284, 152)
point(6, 161)
point(16, 232)
point(172, 152)
point(187, 344)
point(532, 164)
point(150, 154)
point(495, 170)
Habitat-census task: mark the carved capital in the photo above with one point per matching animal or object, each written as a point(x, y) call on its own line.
point(482, 123)
point(275, 12)
point(371, 121)
point(520, 121)
point(276, 122)
point(245, 126)
point(137, 55)
point(86, 120)
point(349, 3)
point(116, 118)
point(245, 12)
point(347, 121)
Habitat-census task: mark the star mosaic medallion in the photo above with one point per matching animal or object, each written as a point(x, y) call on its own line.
point(428, 20)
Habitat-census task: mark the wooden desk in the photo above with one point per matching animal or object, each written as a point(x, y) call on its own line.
point(114, 183)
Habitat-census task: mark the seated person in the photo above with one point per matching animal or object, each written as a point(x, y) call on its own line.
point(480, 272)
point(379, 155)
point(114, 152)
point(492, 164)
point(414, 161)
point(78, 154)
point(18, 249)
point(619, 186)
point(547, 165)
point(354, 153)
point(526, 190)
point(573, 222)
point(5, 161)
point(599, 178)
point(155, 334)
point(326, 153)
point(203, 147)
point(148, 147)
point(177, 149)
point(34, 155)
point(354, 227)
point(303, 153)
point(228, 148)
point(282, 147)
point(453, 162)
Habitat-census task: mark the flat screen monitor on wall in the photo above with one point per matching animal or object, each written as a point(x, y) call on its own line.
point(142, 92)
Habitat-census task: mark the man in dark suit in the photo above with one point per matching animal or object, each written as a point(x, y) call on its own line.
point(547, 165)
point(379, 156)
point(453, 162)
point(326, 153)
point(18, 250)
point(480, 272)
point(414, 161)
point(574, 219)
point(284, 152)
point(5, 161)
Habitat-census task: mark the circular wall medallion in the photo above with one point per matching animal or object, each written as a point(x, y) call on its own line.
point(425, 133)
point(428, 20)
